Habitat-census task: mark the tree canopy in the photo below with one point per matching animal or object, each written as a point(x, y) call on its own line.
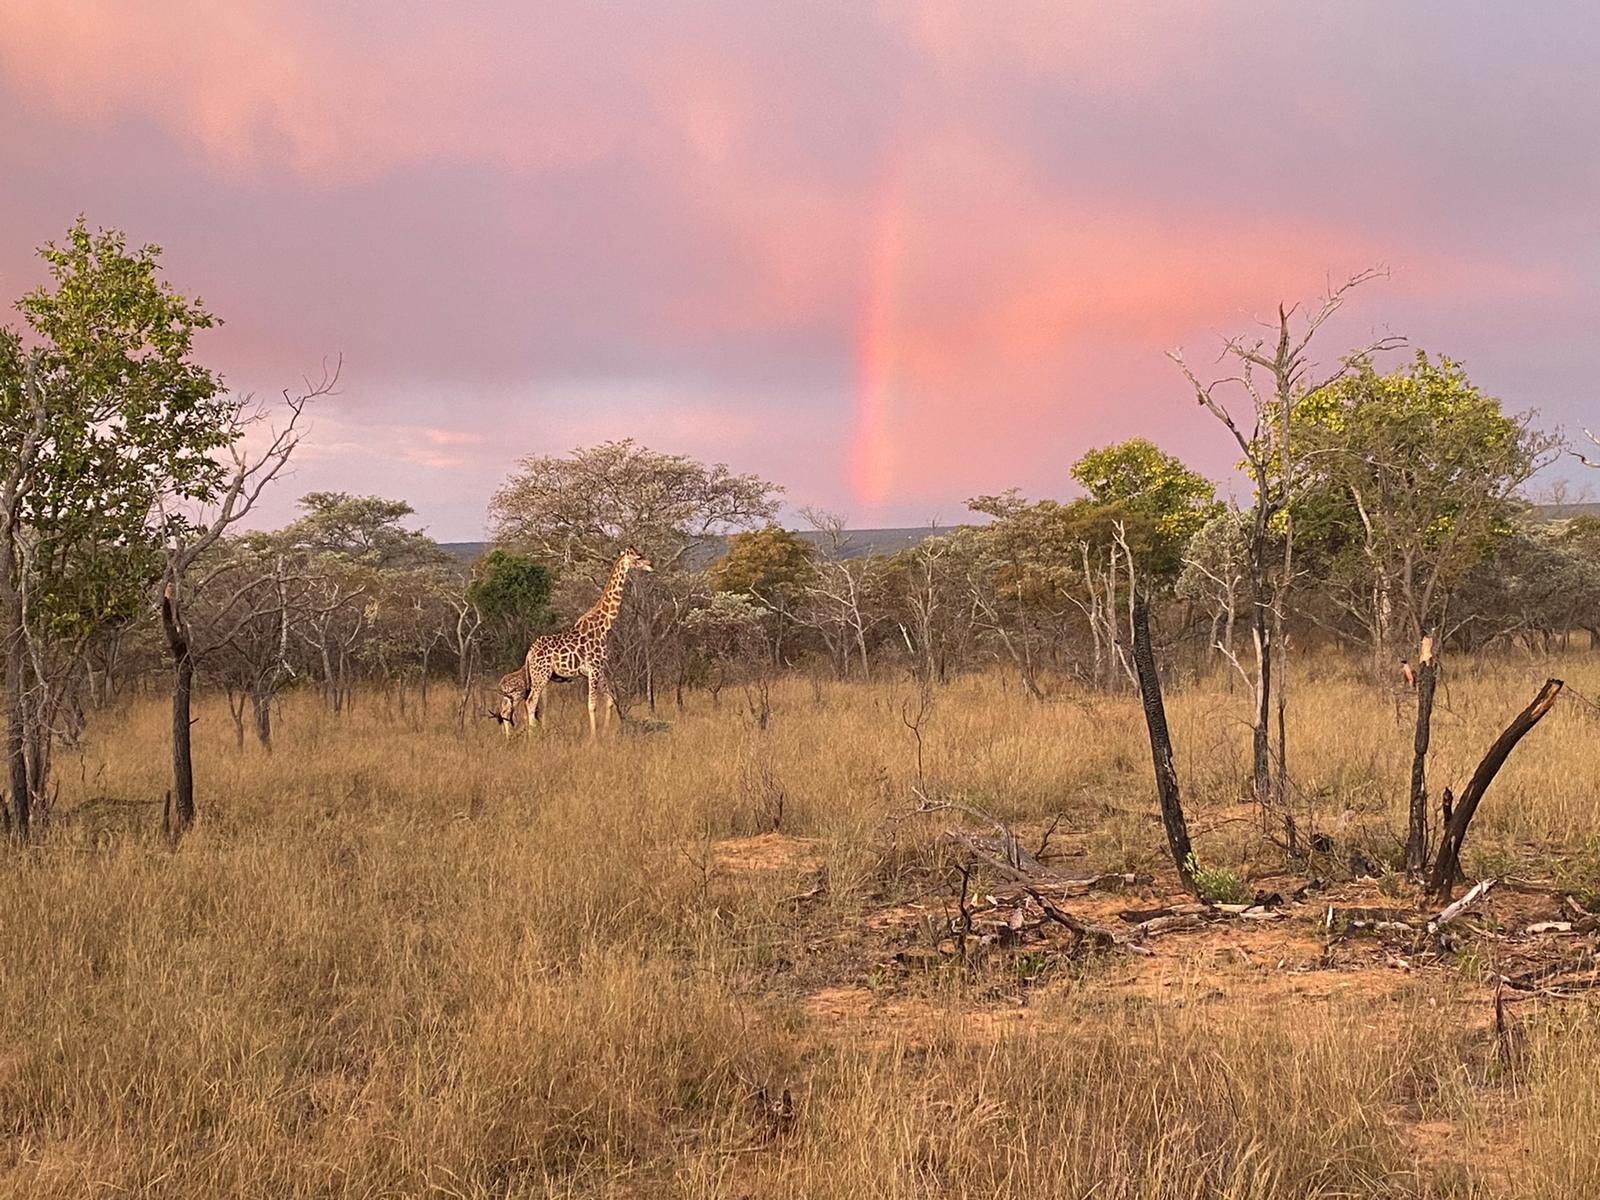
point(582, 508)
point(1146, 479)
point(1409, 479)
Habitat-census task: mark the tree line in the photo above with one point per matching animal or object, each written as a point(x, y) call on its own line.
point(1384, 505)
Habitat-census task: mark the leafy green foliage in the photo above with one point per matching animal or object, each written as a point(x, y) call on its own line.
point(581, 509)
point(512, 592)
point(1410, 481)
point(1216, 885)
point(129, 420)
point(1039, 549)
point(1146, 479)
point(363, 530)
point(768, 562)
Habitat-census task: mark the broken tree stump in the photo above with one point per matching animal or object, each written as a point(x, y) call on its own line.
point(1427, 678)
point(1449, 859)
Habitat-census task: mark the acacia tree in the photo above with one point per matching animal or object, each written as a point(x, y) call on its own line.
point(253, 596)
point(1273, 374)
point(577, 512)
point(1214, 574)
point(1148, 481)
point(930, 589)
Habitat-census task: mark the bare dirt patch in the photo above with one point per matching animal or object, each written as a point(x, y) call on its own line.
point(767, 852)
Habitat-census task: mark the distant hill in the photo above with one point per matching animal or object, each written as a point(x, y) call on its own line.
point(861, 543)
point(1565, 512)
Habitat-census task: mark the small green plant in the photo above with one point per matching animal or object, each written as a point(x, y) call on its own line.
point(1391, 883)
point(1578, 874)
point(1030, 965)
point(1216, 885)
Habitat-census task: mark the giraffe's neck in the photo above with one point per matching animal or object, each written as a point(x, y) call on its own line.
point(604, 613)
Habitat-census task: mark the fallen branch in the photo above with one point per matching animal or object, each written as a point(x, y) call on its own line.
point(978, 849)
point(1451, 912)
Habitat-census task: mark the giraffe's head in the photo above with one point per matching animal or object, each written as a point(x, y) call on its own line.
point(632, 560)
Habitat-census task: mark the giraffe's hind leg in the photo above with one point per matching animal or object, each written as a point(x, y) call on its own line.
point(602, 680)
point(538, 679)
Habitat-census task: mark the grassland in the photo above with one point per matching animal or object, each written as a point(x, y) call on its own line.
point(391, 962)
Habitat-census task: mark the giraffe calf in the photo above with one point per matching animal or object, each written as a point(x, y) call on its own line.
point(514, 693)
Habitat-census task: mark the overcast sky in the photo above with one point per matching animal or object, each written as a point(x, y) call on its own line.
point(888, 255)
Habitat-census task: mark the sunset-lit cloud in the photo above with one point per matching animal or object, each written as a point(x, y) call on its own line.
point(888, 254)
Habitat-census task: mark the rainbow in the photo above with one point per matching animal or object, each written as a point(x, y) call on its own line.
point(877, 344)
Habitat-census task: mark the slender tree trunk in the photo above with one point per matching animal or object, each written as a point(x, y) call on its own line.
point(261, 703)
point(236, 702)
point(1417, 829)
point(1260, 747)
point(182, 693)
point(1280, 616)
point(16, 699)
point(1229, 620)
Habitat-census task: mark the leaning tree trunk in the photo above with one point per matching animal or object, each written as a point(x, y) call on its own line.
point(182, 694)
point(1448, 862)
point(1155, 719)
point(1417, 835)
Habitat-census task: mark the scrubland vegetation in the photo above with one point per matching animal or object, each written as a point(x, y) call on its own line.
point(391, 961)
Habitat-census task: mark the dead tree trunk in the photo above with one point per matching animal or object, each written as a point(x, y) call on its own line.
point(1417, 835)
point(1446, 865)
point(182, 691)
point(1155, 719)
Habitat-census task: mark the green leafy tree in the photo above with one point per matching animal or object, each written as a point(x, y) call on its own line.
point(1410, 482)
point(103, 416)
point(578, 511)
point(1147, 480)
point(512, 592)
point(773, 566)
point(365, 531)
point(1051, 560)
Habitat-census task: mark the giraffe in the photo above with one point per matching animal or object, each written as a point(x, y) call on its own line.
point(580, 650)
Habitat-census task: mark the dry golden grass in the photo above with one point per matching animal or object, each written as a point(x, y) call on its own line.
point(389, 962)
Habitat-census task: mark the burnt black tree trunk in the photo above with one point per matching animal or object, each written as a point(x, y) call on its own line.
point(182, 693)
point(1155, 719)
point(1417, 831)
point(1448, 862)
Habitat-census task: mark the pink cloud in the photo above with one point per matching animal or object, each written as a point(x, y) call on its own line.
point(719, 225)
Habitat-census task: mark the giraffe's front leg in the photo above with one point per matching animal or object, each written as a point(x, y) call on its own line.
point(594, 697)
